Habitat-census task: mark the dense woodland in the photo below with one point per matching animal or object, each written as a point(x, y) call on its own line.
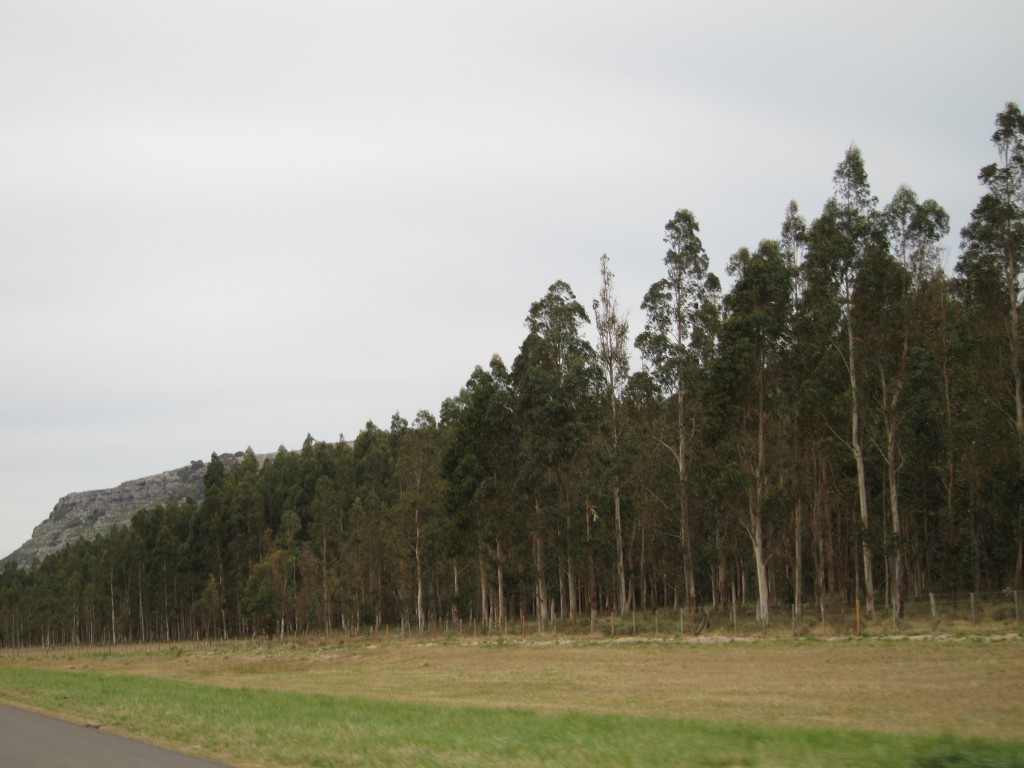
point(845, 422)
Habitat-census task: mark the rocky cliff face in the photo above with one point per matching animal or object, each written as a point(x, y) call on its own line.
point(90, 513)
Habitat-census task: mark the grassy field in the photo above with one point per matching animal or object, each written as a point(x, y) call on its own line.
point(909, 701)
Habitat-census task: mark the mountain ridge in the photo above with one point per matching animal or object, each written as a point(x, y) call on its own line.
point(87, 514)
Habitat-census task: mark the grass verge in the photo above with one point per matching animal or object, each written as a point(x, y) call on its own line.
point(253, 727)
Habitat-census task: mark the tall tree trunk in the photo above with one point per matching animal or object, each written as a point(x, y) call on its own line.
point(567, 590)
point(890, 419)
point(142, 612)
point(591, 577)
point(950, 527)
point(484, 601)
point(797, 561)
point(857, 448)
point(420, 616)
point(643, 568)
point(684, 506)
point(761, 566)
point(817, 530)
point(113, 620)
point(323, 568)
point(541, 589)
point(570, 572)
point(501, 585)
point(167, 620)
point(722, 577)
point(897, 532)
point(756, 504)
point(619, 549)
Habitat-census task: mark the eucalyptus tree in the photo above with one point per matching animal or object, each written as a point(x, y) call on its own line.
point(803, 443)
point(557, 383)
point(15, 605)
point(818, 380)
point(895, 287)
point(209, 538)
point(613, 355)
point(993, 240)
point(840, 243)
point(479, 466)
point(326, 531)
point(370, 549)
point(758, 313)
point(682, 315)
point(651, 474)
point(417, 472)
point(244, 523)
point(982, 424)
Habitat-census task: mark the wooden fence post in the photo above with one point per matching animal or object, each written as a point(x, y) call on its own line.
point(935, 612)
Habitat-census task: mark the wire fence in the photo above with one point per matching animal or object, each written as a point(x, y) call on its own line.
point(932, 613)
point(925, 613)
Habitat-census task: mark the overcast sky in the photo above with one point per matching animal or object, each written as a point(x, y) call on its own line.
point(230, 224)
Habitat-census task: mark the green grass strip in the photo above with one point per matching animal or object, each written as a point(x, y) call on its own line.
point(271, 728)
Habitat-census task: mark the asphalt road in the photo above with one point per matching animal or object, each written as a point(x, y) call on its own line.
point(28, 740)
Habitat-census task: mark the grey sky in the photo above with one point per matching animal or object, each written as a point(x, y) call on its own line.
point(230, 224)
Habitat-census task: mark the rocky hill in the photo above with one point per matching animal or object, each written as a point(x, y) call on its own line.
point(90, 513)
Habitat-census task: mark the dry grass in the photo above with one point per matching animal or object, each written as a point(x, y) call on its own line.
point(970, 687)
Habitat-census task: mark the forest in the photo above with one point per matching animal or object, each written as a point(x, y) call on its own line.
point(845, 422)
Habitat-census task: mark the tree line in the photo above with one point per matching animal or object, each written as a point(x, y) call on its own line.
point(845, 422)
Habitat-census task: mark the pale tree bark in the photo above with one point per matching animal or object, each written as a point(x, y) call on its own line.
point(797, 563)
point(755, 501)
point(541, 585)
point(113, 619)
point(890, 419)
point(484, 597)
point(540, 589)
point(501, 585)
point(619, 549)
point(323, 568)
point(142, 613)
point(857, 448)
point(856, 218)
point(591, 576)
point(570, 572)
point(420, 615)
